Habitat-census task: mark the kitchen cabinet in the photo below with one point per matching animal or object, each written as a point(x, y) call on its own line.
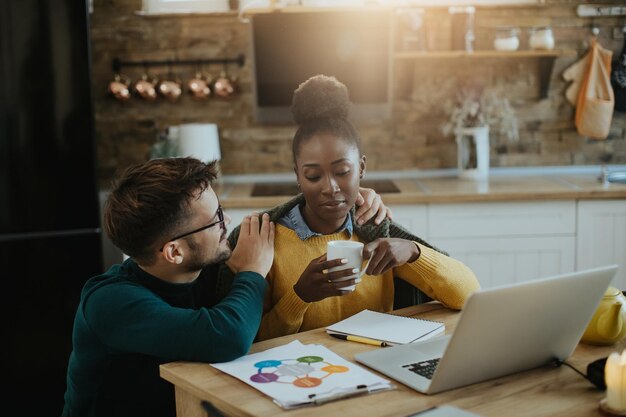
point(509, 259)
point(601, 237)
point(507, 242)
point(500, 219)
point(503, 242)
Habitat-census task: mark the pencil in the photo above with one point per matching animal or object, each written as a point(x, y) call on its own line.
point(359, 339)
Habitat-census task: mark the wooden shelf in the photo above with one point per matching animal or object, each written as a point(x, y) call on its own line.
point(433, 4)
point(184, 14)
point(482, 54)
point(546, 59)
point(304, 9)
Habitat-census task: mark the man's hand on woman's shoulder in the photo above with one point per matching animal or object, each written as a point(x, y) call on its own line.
point(255, 246)
point(369, 204)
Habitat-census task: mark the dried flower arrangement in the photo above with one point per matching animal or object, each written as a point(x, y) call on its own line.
point(476, 106)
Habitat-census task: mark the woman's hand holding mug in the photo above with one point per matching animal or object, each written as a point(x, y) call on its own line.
point(318, 282)
point(352, 251)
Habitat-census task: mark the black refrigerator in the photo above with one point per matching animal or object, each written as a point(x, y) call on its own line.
point(49, 212)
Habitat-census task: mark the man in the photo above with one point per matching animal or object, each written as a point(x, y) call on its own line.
point(160, 304)
point(165, 303)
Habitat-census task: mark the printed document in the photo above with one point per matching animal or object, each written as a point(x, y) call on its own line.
point(295, 374)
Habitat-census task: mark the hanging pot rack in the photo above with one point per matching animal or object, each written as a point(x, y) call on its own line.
point(117, 64)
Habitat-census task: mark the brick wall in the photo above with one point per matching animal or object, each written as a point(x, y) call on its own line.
point(411, 139)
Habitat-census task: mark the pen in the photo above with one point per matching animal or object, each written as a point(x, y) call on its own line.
point(318, 399)
point(359, 339)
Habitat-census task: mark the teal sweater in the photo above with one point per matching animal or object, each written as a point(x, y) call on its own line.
point(128, 322)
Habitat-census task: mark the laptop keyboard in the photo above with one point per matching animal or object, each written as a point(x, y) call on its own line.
point(424, 368)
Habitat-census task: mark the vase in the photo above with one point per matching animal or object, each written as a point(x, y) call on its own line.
point(473, 152)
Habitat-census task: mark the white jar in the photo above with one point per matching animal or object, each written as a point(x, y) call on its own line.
point(541, 38)
point(506, 39)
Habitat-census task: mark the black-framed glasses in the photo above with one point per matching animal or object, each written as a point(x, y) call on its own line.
point(220, 220)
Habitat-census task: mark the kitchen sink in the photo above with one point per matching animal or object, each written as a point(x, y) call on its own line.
point(619, 177)
point(268, 189)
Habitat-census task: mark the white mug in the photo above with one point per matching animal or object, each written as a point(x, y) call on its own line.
point(353, 252)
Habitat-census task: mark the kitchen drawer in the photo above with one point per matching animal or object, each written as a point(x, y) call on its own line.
point(502, 219)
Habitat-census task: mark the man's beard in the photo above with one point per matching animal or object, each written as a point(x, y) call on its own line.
point(196, 263)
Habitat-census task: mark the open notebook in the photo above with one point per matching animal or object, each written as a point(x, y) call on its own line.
point(388, 328)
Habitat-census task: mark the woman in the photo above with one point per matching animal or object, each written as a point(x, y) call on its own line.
point(329, 165)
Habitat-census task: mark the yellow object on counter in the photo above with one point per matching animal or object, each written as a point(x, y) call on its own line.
point(608, 324)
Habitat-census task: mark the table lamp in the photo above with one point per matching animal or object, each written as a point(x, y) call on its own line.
point(199, 140)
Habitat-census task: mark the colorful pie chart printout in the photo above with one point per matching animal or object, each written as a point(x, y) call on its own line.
point(296, 374)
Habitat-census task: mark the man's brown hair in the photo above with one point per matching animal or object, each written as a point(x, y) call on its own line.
point(150, 203)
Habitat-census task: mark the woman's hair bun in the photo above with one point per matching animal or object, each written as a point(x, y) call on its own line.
point(319, 97)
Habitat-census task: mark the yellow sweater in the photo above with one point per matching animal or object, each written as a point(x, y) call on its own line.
point(439, 276)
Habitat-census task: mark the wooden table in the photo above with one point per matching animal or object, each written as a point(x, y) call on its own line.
point(535, 393)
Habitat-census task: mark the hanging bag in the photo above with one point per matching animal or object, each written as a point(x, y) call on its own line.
point(594, 108)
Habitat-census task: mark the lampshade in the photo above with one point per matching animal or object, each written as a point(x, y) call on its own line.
point(199, 140)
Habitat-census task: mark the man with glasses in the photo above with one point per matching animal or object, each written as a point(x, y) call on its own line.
point(160, 305)
point(163, 303)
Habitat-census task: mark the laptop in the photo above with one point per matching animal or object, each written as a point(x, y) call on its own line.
point(500, 331)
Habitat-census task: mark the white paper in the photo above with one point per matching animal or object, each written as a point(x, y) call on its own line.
point(292, 373)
